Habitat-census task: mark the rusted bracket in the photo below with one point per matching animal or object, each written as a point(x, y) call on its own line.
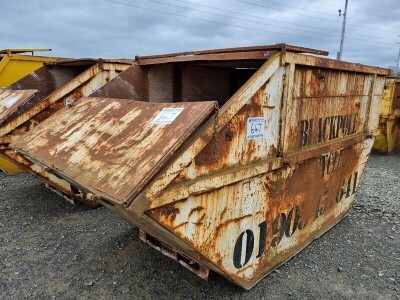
point(101, 64)
point(192, 265)
point(58, 192)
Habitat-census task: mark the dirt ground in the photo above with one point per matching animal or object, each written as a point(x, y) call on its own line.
point(52, 250)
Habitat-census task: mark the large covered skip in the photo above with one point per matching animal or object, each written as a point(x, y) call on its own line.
point(240, 189)
point(37, 96)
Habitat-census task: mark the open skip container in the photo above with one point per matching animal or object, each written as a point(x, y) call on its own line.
point(17, 63)
point(239, 189)
point(37, 96)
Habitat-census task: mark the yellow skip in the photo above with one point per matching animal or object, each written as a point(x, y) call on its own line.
point(14, 65)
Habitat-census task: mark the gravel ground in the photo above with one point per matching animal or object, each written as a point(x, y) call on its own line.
point(52, 250)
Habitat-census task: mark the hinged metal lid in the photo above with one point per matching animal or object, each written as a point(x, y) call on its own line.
point(112, 147)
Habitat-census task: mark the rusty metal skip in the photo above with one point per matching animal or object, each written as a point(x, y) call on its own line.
point(37, 96)
point(240, 189)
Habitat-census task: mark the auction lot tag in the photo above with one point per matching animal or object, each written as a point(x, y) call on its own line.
point(255, 128)
point(167, 116)
point(10, 102)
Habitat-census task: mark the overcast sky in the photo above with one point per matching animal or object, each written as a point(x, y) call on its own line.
point(125, 28)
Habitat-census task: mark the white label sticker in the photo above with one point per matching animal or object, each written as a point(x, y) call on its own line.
point(255, 128)
point(10, 101)
point(167, 116)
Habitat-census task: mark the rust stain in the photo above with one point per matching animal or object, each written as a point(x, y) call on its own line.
point(236, 220)
point(200, 221)
point(168, 211)
point(180, 225)
point(223, 213)
point(196, 209)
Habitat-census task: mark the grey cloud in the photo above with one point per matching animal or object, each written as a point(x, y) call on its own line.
point(96, 28)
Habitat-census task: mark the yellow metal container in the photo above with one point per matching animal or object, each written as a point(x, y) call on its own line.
point(388, 141)
point(14, 64)
point(233, 160)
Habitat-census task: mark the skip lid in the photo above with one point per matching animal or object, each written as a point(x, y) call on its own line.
point(112, 147)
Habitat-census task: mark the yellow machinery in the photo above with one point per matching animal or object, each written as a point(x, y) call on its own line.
point(14, 64)
point(388, 141)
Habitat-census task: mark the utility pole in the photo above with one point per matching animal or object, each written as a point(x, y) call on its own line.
point(398, 57)
point(339, 54)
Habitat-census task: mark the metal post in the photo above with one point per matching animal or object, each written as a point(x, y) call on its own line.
point(398, 58)
point(339, 55)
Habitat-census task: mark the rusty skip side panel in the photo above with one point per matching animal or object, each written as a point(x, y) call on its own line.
point(208, 131)
point(112, 146)
point(47, 80)
point(129, 84)
point(249, 228)
point(346, 94)
point(308, 60)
